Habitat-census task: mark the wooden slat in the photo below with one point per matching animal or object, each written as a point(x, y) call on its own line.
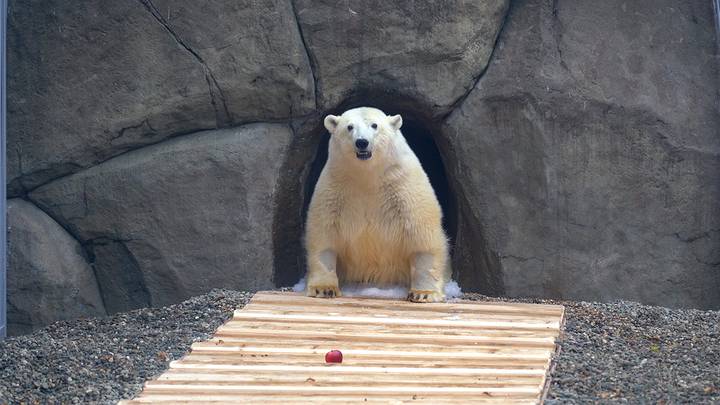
point(330, 344)
point(193, 376)
point(241, 358)
point(296, 399)
point(363, 320)
point(340, 369)
point(155, 387)
point(382, 328)
point(321, 335)
point(234, 358)
point(201, 347)
point(444, 307)
point(272, 352)
point(392, 312)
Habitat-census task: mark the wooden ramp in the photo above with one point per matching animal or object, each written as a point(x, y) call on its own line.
point(273, 352)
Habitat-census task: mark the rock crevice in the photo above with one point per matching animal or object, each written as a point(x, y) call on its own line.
point(134, 73)
point(457, 103)
point(222, 115)
point(49, 278)
point(146, 217)
point(310, 56)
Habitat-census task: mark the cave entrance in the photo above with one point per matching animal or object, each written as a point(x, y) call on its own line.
point(475, 266)
point(420, 139)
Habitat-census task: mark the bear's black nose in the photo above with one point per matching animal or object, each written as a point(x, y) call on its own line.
point(362, 143)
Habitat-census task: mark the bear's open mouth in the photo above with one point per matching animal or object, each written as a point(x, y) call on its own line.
point(363, 154)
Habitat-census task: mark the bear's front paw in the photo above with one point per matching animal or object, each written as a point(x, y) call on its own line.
point(425, 296)
point(324, 291)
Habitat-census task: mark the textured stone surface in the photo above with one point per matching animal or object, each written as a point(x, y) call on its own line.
point(178, 218)
point(49, 278)
point(584, 163)
point(91, 80)
point(253, 49)
point(427, 51)
point(590, 153)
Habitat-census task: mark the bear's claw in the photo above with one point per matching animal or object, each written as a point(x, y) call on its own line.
point(324, 291)
point(425, 296)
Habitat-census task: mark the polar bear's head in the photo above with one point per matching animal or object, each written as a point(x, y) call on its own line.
point(362, 132)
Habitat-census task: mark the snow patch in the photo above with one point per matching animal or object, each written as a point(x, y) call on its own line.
point(452, 290)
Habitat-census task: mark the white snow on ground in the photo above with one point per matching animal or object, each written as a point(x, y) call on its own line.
point(452, 290)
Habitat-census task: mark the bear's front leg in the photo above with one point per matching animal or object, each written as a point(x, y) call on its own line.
point(322, 280)
point(426, 280)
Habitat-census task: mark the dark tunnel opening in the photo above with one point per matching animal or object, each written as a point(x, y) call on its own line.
point(475, 266)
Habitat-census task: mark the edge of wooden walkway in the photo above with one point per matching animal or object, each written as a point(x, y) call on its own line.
point(395, 352)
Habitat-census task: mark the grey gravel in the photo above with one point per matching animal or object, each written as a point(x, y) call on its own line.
point(626, 352)
point(103, 360)
point(619, 352)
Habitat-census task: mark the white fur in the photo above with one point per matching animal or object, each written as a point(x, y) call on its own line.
point(379, 218)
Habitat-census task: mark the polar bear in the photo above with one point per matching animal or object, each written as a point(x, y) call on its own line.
point(374, 217)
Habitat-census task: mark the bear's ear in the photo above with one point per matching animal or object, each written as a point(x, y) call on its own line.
point(395, 121)
point(331, 122)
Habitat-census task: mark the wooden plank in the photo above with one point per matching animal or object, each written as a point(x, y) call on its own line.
point(483, 374)
point(296, 299)
point(385, 329)
point(322, 335)
point(330, 383)
point(363, 379)
point(295, 399)
point(468, 304)
point(551, 364)
point(349, 357)
point(363, 362)
point(272, 352)
point(330, 344)
point(340, 369)
point(251, 315)
point(390, 312)
point(210, 347)
point(153, 386)
point(381, 328)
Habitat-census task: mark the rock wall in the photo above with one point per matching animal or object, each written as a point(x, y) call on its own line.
point(174, 141)
point(590, 150)
point(176, 219)
point(49, 277)
point(92, 80)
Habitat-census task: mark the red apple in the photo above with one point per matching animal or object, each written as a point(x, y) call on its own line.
point(333, 356)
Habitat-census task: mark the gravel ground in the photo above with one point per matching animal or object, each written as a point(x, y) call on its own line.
point(104, 360)
point(632, 353)
point(617, 352)
point(626, 352)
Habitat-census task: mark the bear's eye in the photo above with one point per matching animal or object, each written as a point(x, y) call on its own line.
point(374, 126)
point(350, 127)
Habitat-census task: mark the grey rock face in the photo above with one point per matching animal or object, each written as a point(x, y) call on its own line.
point(580, 139)
point(430, 52)
point(178, 218)
point(590, 152)
point(49, 278)
point(91, 80)
point(253, 50)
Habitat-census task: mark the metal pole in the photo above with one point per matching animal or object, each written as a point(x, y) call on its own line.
point(716, 9)
point(3, 200)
